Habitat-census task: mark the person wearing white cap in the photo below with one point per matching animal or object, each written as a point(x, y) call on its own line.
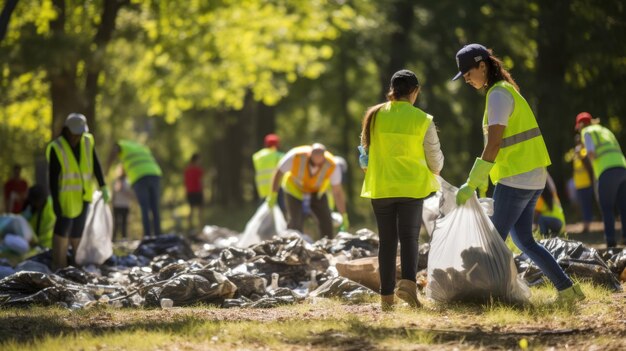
point(72, 164)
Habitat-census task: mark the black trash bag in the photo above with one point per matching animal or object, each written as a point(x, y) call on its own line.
point(161, 261)
point(24, 289)
point(44, 257)
point(126, 261)
point(364, 239)
point(170, 244)
point(171, 270)
point(248, 285)
point(80, 276)
point(233, 256)
point(616, 260)
point(576, 259)
point(201, 286)
point(422, 258)
point(343, 288)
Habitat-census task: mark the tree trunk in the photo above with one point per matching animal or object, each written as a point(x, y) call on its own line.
point(553, 112)
point(402, 18)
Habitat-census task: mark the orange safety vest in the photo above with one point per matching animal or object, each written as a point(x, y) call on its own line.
point(300, 180)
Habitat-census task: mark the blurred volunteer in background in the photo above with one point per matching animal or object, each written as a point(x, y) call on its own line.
point(72, 163)
point(609, 168)
point(304, 174)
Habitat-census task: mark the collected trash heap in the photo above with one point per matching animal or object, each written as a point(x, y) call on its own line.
point(465, 260)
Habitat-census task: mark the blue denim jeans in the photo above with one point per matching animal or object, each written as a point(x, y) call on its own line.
point(612, 194)
point(585, 199)
point(549, 225)
point(147, 189)
point(513, 212)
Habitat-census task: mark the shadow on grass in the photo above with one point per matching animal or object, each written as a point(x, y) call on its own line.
point(27, 329)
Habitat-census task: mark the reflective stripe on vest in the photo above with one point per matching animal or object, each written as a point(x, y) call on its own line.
point(75, 179)
point(608, 153)
point(397, 160)
point(523, 148)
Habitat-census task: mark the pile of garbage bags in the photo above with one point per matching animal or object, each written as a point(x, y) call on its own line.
point(579, 262)
point(170, 271)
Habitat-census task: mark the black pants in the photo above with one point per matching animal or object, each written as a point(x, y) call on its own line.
point(120, 221)
point(319, 207)
point(397, 218)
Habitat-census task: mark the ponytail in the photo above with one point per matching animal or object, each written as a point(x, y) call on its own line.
point(496, 72)
point(368, 121)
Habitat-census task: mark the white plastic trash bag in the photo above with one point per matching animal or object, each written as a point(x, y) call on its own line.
point(468, 260)
point(263, 225)
point(95, 245)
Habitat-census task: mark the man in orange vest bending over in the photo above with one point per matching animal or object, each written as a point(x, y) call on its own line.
point(305, 173)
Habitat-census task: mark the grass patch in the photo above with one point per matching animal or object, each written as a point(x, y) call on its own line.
point(322, 324)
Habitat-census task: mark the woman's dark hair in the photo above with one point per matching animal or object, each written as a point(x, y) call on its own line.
point(400, 89)
point(195, 157)
point(496, 72)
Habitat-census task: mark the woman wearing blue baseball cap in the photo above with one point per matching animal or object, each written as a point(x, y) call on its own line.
point(514, 156)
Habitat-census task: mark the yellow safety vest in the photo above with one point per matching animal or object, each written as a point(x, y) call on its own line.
point(42, 223)
point(299, 180)
point(556, 212)
point(76, 178)
point(138, 161)
point(265, 161)
point(397, 162)
point(608, 153)
point(581, 175)
point(523, 148)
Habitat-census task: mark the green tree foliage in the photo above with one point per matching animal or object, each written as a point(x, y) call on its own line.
point(216, 76)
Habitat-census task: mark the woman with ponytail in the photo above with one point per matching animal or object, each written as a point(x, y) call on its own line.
point(515, 157)
point(400, 153)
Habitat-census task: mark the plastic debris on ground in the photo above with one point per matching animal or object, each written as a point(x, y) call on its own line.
point(578, 261)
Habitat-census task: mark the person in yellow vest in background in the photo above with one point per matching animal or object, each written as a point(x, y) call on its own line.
point(265, 162)
point(72, 163)
point(515, 157)
point(400, 153)
point(304, 173)
point(39, 213)
point(550, 216)
point(582, 180)
point(144, 174)
point(609, 169)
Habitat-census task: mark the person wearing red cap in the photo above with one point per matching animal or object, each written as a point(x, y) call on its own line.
point(265, 162)
point(609, 168)
point(515, 157)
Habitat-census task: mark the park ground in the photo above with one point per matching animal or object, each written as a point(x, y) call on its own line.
point(598, 323)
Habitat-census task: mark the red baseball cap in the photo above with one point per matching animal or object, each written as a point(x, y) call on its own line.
point(271, 140)
point(583, 117)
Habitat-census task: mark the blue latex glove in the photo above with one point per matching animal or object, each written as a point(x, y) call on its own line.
point(363, 157)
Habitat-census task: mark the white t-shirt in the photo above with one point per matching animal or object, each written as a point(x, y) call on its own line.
point(500, 107)
point(286, 163)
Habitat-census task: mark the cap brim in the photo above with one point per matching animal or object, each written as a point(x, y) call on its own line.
point(458, 75)
point(79, 130)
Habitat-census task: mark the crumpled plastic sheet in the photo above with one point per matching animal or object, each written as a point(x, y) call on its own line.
point(362, 244)
point(33, 288)
point(189, 288)
point(169, 244)
point(343, 288)
point(576, 259)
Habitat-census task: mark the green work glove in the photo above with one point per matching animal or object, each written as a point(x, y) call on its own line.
point(482, 191)
point(345, 223)
point(105, 194)
point(478, 178)
point(271, 199)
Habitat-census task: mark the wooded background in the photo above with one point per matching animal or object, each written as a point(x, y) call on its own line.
point(215, 76)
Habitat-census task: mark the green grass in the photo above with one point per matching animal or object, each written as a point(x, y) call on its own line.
point(322, 324)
